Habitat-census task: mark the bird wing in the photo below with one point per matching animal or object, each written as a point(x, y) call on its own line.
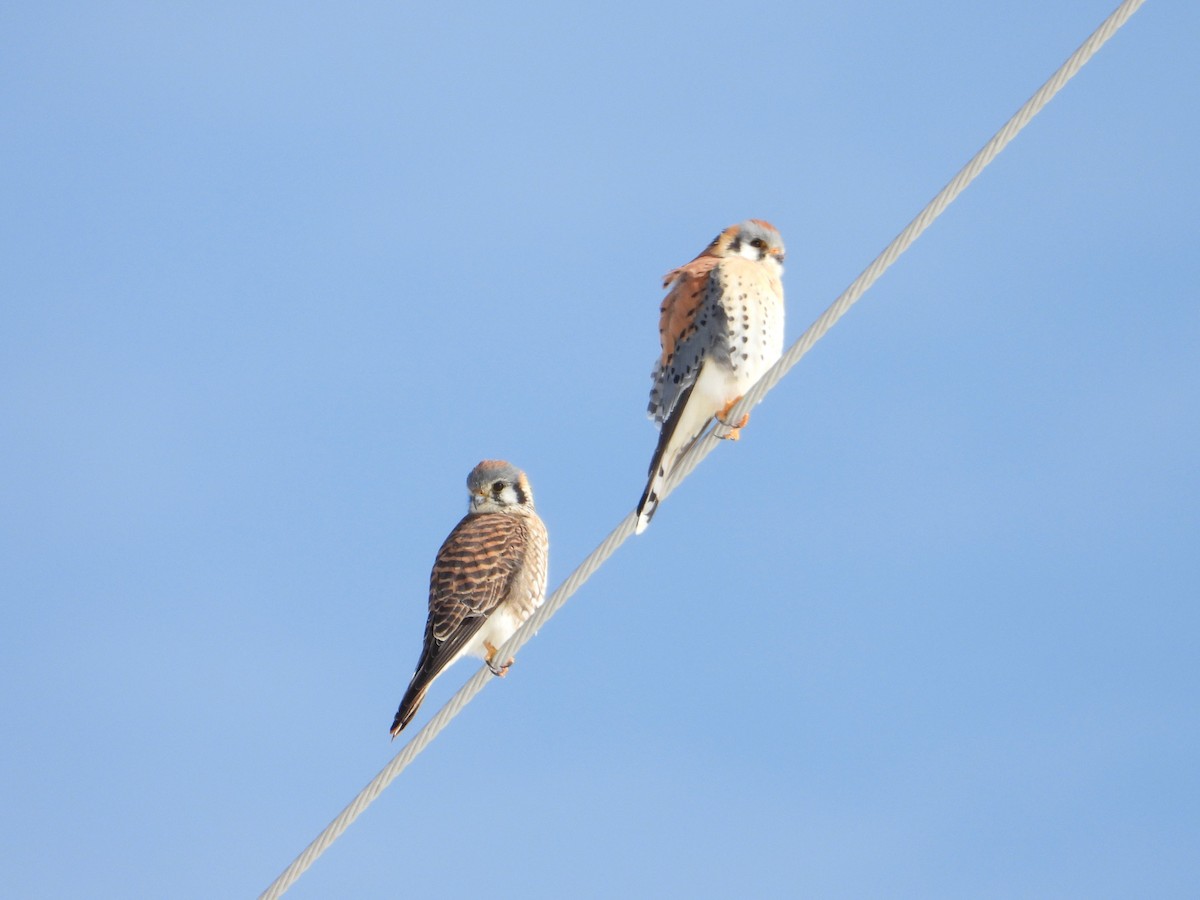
point(693, 318)
point(472, 576)
point(683, 329)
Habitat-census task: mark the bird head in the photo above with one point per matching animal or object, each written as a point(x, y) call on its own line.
point(496, 485)
point(753, 239)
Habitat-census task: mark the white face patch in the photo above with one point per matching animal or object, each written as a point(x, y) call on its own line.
point(508, 496)
point(748, 252)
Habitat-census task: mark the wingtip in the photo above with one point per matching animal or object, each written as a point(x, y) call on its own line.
point(408, 708)
point(428, 668)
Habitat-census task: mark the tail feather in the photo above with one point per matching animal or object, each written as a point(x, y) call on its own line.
point(670, 443)
point(649, 502)
point(413, 698)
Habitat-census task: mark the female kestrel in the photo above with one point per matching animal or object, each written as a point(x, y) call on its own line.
point(721, 328)
point(489, 577)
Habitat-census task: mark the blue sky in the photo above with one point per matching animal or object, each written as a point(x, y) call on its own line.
point(275, 277)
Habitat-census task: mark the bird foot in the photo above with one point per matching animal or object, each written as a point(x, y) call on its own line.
point(735, 431)
point(498, 671)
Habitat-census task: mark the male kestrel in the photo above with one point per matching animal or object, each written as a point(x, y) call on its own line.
point(489, 577)
point(721, 328)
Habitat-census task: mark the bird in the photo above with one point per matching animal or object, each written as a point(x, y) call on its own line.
point(488, 578)
point(721, 328)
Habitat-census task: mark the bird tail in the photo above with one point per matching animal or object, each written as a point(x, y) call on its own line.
point(646, 509)
point(649, 503)
point(672, 441)
point(413, 698)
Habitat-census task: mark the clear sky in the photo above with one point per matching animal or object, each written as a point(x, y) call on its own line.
point(276, 276)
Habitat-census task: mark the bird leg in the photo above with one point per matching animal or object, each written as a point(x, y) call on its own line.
point(499, 671)
point(735, 431)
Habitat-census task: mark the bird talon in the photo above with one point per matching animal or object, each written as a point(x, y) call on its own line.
point(735, 430)
point(498, 671)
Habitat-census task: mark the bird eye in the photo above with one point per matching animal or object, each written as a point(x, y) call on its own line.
point(497, 487)
point(758, 243)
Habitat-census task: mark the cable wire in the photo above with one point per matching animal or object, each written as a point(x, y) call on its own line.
point(702, 447)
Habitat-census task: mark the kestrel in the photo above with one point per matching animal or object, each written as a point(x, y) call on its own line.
point(721, 328)
point(489, 577)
